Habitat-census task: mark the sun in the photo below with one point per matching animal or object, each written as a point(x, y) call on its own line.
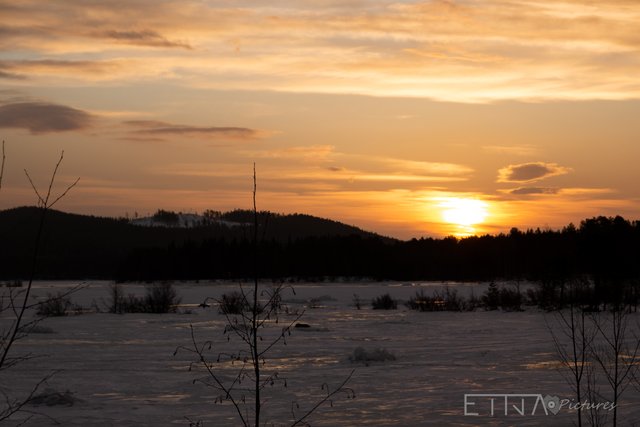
point(464, 213)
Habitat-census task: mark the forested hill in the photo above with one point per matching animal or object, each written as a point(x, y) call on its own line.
point(78, 246)
point(309, 248)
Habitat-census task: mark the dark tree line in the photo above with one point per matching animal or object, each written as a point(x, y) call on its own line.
point(606, 249)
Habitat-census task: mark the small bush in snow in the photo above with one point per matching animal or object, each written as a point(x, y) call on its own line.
point(234, 303)
point(384, 302)
point(161, 298)
point(54, 306)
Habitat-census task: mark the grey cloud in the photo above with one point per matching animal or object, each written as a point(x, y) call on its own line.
point(523, 191)
point(42, 117)
point(528, 172)
point(145, 38)
point(157, 128)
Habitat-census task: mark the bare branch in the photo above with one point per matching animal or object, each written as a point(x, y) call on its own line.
point(53, 178)
point(19, 328)
point(15, 406)
point(245, 315)
point(41, 201)
point(340, 389)
point(2, 165)
point(64, 193)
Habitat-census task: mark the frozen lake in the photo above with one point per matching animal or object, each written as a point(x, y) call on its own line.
point(122, 371)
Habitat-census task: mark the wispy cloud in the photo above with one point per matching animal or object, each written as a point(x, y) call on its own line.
point(530, 172)
point(569, 192)
point(142, 38)
point(157, 129)
point(42, 117)
point(534, 190)
point(324, 163)
point(24, 68)
point(8, 75)
point(446, 50)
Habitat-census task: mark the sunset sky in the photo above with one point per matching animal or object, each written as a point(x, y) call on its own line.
point(408, 118)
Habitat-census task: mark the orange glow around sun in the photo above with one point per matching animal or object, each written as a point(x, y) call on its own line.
point(464, 214)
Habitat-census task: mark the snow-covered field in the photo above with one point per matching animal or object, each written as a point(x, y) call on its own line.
point(121, 369)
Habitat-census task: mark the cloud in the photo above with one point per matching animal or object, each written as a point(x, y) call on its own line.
point(525, 191)
point(56, 65)
point(42, 117)
point(530, 172)
point(573, 193)
point(143, 38)
point(8, 75)
point(71, 69)
point(447, 50)
point(155, 129)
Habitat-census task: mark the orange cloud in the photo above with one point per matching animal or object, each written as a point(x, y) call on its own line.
point(444, 50)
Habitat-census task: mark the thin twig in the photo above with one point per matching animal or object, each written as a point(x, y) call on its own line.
point(329, 395)
point(2, 165)
point(18, 328)
point(245, 322)
point(41, 201)
point(64, 193)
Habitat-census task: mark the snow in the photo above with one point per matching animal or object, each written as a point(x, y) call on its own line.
point(185, 220)
point(122, 370)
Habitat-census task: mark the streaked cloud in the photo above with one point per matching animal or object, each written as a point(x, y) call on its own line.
point(530, 172)
point(558, 194)
point(24, 68)
point(42, 117)
point(143, 38)
point(445, 50)
point(8, 75)
point(158, 129)
point(534, 190)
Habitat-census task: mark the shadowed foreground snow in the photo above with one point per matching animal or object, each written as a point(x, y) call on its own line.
point(121, 369)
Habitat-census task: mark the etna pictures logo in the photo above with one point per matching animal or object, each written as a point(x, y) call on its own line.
point(527, 404)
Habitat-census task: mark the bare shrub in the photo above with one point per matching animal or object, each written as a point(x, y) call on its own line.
point(55, 305)
point(449, 300)
point(511, 299)
point(234, 303)
point(384, 302)
point(357, 302)
point(51, 397)
point(161, 298)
